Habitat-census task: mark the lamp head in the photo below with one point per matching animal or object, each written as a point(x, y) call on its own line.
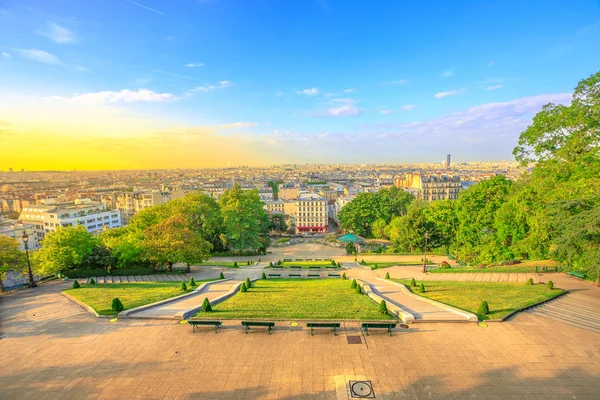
point(25, 237)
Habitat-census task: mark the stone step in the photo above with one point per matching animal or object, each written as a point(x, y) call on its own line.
point(576, 322)
point(578, 309)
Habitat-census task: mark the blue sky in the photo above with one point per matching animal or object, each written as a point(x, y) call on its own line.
point(291, 81)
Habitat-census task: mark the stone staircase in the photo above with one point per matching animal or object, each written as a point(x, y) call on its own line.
point(573, 309)
point(141, 278)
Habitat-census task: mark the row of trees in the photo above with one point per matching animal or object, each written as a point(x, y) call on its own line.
point(552, 212)
point(185, 230)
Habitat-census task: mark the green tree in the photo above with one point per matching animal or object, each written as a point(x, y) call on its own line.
point(407, 233)
point(64, 249)
point(379, 229)
point(11, 258)
point(277, 223)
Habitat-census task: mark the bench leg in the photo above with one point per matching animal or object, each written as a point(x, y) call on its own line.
point(246, 329)
point(390, 331)
point(334, 334)
point(269, 329)
point(311, 331)
point(367, 330)
point(193, 328)
point(216, 327)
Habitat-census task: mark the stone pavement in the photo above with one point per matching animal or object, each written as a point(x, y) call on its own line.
point(69, 354)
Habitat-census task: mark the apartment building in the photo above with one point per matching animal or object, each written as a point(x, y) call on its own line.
point(130, 203)
point(275, 206)
point(13, 204)
point(308, 213)
point(15, 229)
point(339, 204)
point(49, 215)
point(431, 187)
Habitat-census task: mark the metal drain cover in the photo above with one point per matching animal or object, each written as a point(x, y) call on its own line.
point(361, 390)
point(354, 339)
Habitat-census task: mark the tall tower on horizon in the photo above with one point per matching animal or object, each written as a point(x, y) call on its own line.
point(448, 160)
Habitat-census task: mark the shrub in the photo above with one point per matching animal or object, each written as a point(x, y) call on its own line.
point(279, 262)
point(206, 305)
point(248, 283)
point(358, 290)
point(550, 285)
point(333, 263)
point(484, 308)
point(76, 284)
point(117, 305)
point(248, 262)
point(355, 259)
point(344, 276)
point(362, 262)
point(264, 276)
point(387, 275)
point(375, 266)
point(353, 284)
point(192, 282)
point(183, 286)
point(235, 264)
point(530, 281)
point(271, 264)
point(339, 265)
point(422, 288)
point(383, 307)
point(221, 276)
point(259, 260)
point(243, 288)
point(444, 265)
point(413, 283)
point(92, 281)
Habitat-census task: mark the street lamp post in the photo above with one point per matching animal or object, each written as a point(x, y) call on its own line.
point(425, 253)
point(25, 238)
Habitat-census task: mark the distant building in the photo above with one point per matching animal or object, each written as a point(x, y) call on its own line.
point(430, 187)
point(15, 229)
point(130, 203)
point(448, 160)
point(339, 204)
point(47, 217)
point(308, 212)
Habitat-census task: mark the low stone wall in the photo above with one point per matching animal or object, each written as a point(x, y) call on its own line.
point(404, 315)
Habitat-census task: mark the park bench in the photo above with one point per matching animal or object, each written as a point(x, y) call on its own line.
point(314, 275)
point(295, 275)
point(274, 275)
point(296, 267)
point(314, 267)
point(577, 274)
point(378, 325)
point(333, 325)
point(334, 275)
point(194, 323)
point(248, 324)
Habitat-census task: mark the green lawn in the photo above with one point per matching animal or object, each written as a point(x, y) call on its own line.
point(132, 295)
point(387, 264)
point(297, 299)
point(527, 266)
point(306, 264)
point(503, 298)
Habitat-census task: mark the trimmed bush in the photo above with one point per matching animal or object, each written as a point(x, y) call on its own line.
point(362, 262)
point(353, 284)
point(387, 275)
point(333, 263)
point(271, 264)
point(206, 305)
point(358, 290)
point(383, 307)
point(221, 276)
point(550, 285)
point(375, 266)
point(192, 282)
point(183, 286)
point(243, 288)
point(264, 276)
point(248, 262)
point(279, 262)
point(344, 276)
point(76, 284)
point(339, 265)
point(235, 265)
point(259, 260)
point(530, 281)
point(117, 306)
point(413, 283)
point(248, 283)
point(484, 308)
point(92, 281)
point(422, 288)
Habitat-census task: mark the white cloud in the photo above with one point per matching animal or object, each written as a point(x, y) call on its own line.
point(208, 87)
point(343, 101)
point(238, 125)
point(349, 90)
point(400, 82)
point(386, 112)
point(39, 55)
point(445, 94)
point(448, 73)
point(344, 111)
point(194, 65)
point(309, 92)
point(408, 107)
point(58, 33)
point(5, 54)
point(494, 87)
point(123, 96)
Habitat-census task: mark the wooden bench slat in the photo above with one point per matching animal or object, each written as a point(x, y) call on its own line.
point(333, 325)
point(367, 325)
point(248, 324)
point(194, 323)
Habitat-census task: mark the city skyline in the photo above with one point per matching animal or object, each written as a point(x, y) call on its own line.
point(199, 84)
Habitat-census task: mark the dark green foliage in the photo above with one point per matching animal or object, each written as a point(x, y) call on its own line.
point(350, 248)
point(221, 276)
point(248, 262)
point(530, 281)
point(333, 263)
point(484, 308)
point(271, 264)
point(117, 306)
point(339, 265)
point(383, 307)
point(92, 281)
point(362, 262)
point(183, 286)
point(264, 276)
point(192, 282)
point(206, 307)
point(387, 275)
point(358, 289)
point(76, 284)
point(550, 285)
point(243, 288)
point(353, 284)
point(413, 283)
point(248, 283)
point(279, 262)
point(422, 288)
point(344, 276)
point(259, 260)
point(235, 264)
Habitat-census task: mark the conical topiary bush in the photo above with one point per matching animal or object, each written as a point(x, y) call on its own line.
point(243, 288)
point(353, 284)
point(206, 305)
point(422, 288)
point(117, 305)
point(76, 284)
point(484, 308)
point(183, 286)
point(383, 307)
